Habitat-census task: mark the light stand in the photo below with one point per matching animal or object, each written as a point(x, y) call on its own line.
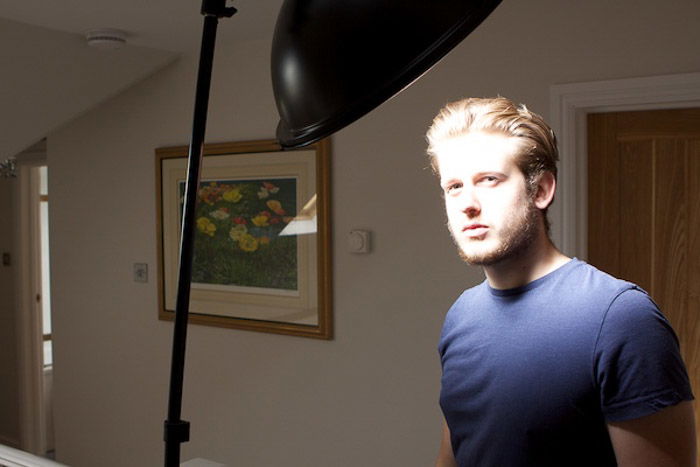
point(177, 431)
point(332, 62)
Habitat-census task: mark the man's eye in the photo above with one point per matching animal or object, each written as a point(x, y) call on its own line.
point(452, 187)
point(489, 180)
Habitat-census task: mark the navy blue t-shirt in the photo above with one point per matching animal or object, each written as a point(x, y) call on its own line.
point(532, 375)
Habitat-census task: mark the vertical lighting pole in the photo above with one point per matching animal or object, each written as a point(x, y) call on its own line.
point(177, 431)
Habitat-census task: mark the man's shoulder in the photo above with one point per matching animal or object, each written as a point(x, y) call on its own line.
point(473, 291)
point(475, 294)
point(584, 278)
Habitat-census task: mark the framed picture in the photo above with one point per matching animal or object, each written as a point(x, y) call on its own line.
point(262, 256)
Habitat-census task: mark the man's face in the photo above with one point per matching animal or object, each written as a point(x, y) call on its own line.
point(490, 214)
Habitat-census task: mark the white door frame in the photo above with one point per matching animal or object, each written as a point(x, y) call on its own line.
point(32, 416)
point(569, 105)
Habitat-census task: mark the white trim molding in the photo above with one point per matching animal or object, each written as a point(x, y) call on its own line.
point(11, 442)
point(569, 105)
point(11, 457)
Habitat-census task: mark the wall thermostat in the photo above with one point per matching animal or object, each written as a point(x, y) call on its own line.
point(359, 241)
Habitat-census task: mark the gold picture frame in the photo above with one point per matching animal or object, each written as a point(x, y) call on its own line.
point(262, 259)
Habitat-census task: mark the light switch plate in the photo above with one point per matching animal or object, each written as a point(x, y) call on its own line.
point(140, 272)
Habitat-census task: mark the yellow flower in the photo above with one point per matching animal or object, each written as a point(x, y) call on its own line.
point(248, 243)
point(233, 195)
point(276, 207)
point(260, 220)
point(264, 240)
point(206, 226)
point(237, 232)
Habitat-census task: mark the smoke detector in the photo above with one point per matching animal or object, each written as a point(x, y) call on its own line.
point(107, 39)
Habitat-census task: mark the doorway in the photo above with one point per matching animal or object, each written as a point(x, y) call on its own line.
point(644, 212)
point(34, 304)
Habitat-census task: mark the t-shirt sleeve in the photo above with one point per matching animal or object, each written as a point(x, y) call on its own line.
point(638, 365)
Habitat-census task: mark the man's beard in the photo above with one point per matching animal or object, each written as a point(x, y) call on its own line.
point(513, 239)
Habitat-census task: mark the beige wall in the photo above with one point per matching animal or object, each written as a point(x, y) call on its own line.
point(369, 397)
point(9, 428)
point(48, 78)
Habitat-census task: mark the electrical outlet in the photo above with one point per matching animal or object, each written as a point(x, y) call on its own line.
point(140, 272)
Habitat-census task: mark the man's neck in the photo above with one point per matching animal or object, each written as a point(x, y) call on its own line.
point(537, 261)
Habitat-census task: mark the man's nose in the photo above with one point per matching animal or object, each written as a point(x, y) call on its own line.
point(471, 206)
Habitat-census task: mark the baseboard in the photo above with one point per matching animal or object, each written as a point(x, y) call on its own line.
point(9, 441)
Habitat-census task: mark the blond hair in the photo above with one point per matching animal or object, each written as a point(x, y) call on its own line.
point(499, 115)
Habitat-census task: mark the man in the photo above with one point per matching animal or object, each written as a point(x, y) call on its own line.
point(549, 361)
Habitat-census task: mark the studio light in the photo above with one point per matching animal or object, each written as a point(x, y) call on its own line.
point(333, 60)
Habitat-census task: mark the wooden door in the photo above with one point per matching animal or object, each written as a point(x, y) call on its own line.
point(644, 212)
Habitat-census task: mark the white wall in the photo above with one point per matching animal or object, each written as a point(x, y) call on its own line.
point(369, 397)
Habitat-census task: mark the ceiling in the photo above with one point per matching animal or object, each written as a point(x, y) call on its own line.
point(49, 76)
point(174, 25)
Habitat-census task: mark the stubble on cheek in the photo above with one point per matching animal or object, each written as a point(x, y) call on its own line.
point(511, 240)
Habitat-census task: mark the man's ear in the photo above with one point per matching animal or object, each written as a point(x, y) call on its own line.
point(546, 186)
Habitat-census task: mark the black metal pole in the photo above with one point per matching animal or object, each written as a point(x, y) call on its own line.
point(177, 431)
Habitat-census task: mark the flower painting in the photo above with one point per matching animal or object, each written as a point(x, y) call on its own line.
point(237, 239)
point(261, 224)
